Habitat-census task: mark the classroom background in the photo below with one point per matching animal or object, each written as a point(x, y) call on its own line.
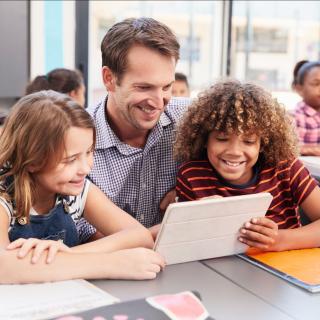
point(257, 41)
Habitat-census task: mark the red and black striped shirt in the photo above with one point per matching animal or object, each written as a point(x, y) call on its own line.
point(290, 184)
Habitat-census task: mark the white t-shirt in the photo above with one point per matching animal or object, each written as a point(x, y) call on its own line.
point(73, 204)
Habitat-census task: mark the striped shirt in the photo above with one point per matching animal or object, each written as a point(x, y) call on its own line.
point(307, 122)
point(289, 183)
point(137, 179)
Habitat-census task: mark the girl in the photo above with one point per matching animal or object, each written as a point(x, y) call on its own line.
point(45, 154)
point(307, 113)
point(61, 80)
point(237, 140)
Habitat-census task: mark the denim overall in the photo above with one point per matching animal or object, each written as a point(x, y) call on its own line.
point(56, 225)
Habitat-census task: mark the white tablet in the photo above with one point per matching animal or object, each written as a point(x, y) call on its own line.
point(207, 228)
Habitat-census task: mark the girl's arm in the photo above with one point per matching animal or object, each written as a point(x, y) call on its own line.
point(123, 231)
point(139, 263)
point(310, 150)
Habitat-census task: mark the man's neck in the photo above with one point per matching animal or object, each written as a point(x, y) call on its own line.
point(124, 130)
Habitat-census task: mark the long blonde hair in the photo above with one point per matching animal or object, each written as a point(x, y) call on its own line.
point(33, 136)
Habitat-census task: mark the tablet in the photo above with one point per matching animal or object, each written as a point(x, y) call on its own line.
point(207, 228)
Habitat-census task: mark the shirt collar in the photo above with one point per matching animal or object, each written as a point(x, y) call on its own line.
point(106, 138)
point(307, 109)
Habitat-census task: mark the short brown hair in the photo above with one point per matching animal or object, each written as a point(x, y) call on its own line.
point(60, 80)
point(232, 107)
point(124, 35)
point(33, 135)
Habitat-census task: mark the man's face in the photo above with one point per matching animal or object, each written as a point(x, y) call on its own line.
point(180, 89)
point(138, 101)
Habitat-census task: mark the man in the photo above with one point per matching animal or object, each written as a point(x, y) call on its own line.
point(133, 162)
point(180, 87)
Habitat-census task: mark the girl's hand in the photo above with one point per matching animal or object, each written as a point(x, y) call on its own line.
point(261, 233)
point(38, 247)
point(135, 264)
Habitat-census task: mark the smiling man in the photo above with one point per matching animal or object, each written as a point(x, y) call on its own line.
point(133, 162)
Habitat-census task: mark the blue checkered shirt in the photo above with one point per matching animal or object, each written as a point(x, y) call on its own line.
point(137, 179)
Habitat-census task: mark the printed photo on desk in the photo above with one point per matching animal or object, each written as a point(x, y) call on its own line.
point(179, 306)
point(300, 267)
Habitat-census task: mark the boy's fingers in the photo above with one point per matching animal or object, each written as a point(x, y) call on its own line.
point(257, 237)
point(263, 221)
point(254, 244)
point(269, 232)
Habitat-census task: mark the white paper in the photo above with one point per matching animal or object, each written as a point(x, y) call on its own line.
point(52, 299)
point(312, 164)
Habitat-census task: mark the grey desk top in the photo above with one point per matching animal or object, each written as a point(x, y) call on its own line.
point(223, 298)
point(291, 300)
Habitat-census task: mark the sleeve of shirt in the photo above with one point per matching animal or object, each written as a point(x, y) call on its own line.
point(7, 207)
point(301, 182)
point(85, 229)
point(183, 188)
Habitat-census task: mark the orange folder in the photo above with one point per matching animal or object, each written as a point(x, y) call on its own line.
point(300, 267)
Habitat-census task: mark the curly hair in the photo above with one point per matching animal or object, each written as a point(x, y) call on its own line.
point(241, 108)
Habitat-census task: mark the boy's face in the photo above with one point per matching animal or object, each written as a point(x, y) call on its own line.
point(233, 156)
point(310, 90)
point(68, 176)
point(180, 89)
point(138, 101)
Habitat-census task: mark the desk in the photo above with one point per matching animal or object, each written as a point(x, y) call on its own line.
point(291, 300)
point(224, 299)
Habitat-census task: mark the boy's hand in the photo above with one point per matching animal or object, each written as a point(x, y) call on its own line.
point(169, 197)
point(261, 233)
point(39, 247)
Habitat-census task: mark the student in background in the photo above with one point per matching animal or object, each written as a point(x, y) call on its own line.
point(61, 80)
point(46, 152)
point(307, 113)
point(236, 140)
point(180, 87)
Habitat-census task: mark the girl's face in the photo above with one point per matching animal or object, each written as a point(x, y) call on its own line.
point(79, 95)
point(310, 90)
point(67, 177)
point(233, 156)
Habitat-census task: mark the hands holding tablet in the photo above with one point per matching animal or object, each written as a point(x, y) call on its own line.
point(261, 233)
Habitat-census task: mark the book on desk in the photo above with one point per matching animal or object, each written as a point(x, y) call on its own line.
point(300, 267)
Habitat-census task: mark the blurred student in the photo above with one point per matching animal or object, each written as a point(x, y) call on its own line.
point(237, 140)
point(180, 87)
point(306, 83)
point(46, 152)
point(61, 80)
